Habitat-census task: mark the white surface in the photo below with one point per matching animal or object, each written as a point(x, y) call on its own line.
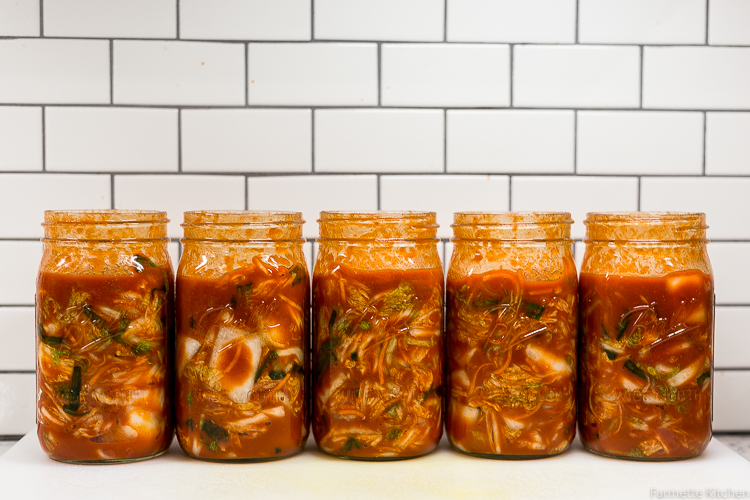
point(25, 471)
point(81, 139)
point(721, 198)
point(27, 196)
point(378, 140)
point(40, 71)
point(640, 142)
point(19, 17)
point(728, 143)
point(642, 21)
point(16, 327)
point(322, 74)
point(245, 19)
point(394, 20)
point(157, 72)
point(696, 77)
point(576, 76)
point(517, 21)
point(729, 22)
point(453, 75)
point(732, 400)
point(20, 138)
point(732, 338)
point(510, 141)
point(111, 18)
point(246, 140)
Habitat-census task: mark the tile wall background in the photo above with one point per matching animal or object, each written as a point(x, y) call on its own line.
point(375, 104)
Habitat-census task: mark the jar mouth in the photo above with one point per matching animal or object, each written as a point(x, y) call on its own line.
point(105, 225)
point(646, 227)
point(512, 226)
point(383, 226)
point(242, 226)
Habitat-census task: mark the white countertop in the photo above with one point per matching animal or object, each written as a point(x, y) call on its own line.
point(26, 472)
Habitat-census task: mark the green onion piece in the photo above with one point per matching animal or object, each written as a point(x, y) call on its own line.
point(364, 325)
point(533, 311)
point(74, 394)
point(635, 370)
point(48, 339)
point(611, 355)
point(353, 355)
point(350, 443)
point(269, 357)
point(140, 262)
point(393, 434)
point(703, 377)
point(622, 325)
point(276, 375)
point(332, 320)
point(214, 431)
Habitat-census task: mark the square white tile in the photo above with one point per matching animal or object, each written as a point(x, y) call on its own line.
point(731, 400)
point(510, 141)
point(727, 143)
point(729, 22)
point(20, 138)
point(18, 269)
point(450, 75)
point(378, 140)
point(732, 337)
point(18, 334)
point(19, 17)
point(731, 271)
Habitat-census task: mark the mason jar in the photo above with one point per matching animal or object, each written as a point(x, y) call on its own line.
point(243, 299)
point(377, 335)
point(104, 333)
point(647, 315)
point(512, 311)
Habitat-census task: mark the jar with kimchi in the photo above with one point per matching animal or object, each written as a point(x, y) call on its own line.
point(243, 299)
point(647, 305)
point(104, 321)
point(377, 335)
point(512, 310)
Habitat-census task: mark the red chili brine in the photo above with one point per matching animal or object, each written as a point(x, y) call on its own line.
point(647, 313)
point(377, 336)
point(242, 336)
point(511, 335)
point(104, 334)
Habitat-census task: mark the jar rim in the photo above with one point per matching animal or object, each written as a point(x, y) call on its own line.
point(106, 216)
point(646, 227)
point(511, 218)
point(240, 218)
point(379, 215)
point(644, 216)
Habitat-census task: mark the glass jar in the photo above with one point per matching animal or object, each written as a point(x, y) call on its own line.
point(243, 300)
point(377, 335)
point(104, 320)
point(647, 314)
point(512, 312)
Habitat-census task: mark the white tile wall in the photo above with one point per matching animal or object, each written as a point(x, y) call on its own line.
point(19, 17)
point(318, 74)
point(722, 199)
point(179, 193)
point(191, 73)
point(728, 22)
point(110, 18)
point(577, 195)
point(311, 195)
point(727, 143)
point(187, 104)
point(510, 141)
point(18, 269)
point(576, 76)
point(16, 323)
point(393, 20)
point(25, 197)
point(20, 138)
point(245, 19)
point(451, 75)
point(379, 140)
point(639, 142)
point(696, 77)
point(642, 21)
point(54, 71)
point(732, 337)
point(455, 193)
point(82, 139)
point(731, 400)
point(246, 140)
point(514, 21)
point(17, 402)
point(731, 271)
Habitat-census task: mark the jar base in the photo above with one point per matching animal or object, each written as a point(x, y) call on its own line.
point(492, 456)
point(112, 461)
point(377, 459)
point(244, 460)
point(640, 459)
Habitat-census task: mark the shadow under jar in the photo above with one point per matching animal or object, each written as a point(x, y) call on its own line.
point(243, 299)
point(647, 313)
point(377, 335)
point(104, 309)
point(512, 310)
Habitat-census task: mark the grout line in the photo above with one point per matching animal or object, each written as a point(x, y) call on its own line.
point(638, 205)
point(512, 50)
point(247, 76)
point(179, 140)
point(707, 11)
point(312, 20)
point(445, 21)
point(380, 78)
point(575, 142)
point(177, 20)
point(44, 138)
point(578, 15)
point(312, 140)
point(510, 192)
point(445, 141)
point(705, 128)
point(378, 177)
point(247, 193)
point(112, 191)
point(41, 18)
point(640, 98)
point(111, 72)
